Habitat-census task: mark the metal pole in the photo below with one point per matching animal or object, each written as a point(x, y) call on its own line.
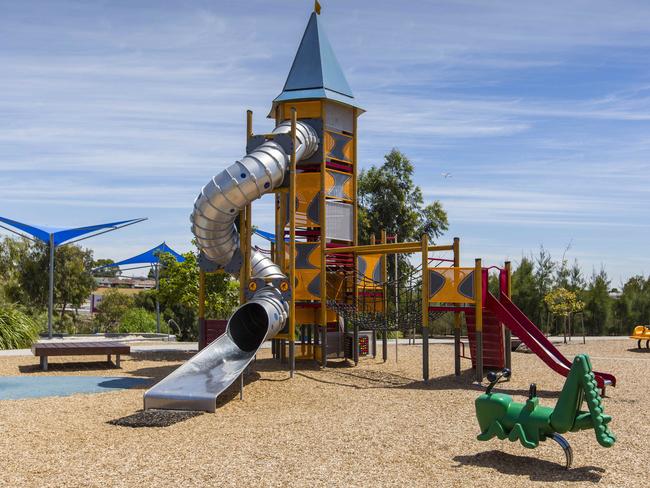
point(50, 298)
point(457, 314)
point(425, 307)
point(478, 303)
point(397, 323)
point(202, 328)
point(157, 270)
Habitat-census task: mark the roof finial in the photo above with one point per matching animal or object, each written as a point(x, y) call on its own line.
point(317, 7)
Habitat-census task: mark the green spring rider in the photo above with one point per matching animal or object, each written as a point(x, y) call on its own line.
point(529, 423)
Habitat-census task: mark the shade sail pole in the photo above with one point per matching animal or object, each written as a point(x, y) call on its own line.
point(50, 301)
point(157, 265)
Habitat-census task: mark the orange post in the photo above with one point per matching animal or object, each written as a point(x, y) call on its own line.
point(456, 314)
point(292, 246)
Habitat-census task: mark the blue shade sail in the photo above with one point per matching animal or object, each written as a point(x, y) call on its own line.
point(62, 235)
point(152, 256)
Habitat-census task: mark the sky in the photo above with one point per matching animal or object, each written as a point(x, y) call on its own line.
point(539, 110)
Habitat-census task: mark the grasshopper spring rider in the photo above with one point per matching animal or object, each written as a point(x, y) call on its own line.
point(499, 416)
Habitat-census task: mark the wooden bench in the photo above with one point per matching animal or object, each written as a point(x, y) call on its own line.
point(45, 349)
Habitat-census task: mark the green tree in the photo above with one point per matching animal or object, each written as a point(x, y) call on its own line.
point(525, 293)
point(545, 269)
point(73, 281)
point(179, 293)
point(111, 310)
point(598, 304)
point(109, 272)
point(390, 200)
point(632, 307)
point(25, 269)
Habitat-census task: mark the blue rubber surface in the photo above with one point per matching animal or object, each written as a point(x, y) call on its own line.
point(18, 387)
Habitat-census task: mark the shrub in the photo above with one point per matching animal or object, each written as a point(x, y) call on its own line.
point(17, 329)
point(138, 320)
point(111, 310)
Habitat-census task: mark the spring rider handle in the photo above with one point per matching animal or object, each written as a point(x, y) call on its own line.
point(493, 377)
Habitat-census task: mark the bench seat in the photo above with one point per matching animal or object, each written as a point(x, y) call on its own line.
point(108, 348)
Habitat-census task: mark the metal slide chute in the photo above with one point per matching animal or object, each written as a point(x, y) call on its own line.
point(196, 384)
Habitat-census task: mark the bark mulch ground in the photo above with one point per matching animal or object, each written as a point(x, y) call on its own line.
point(373, 425)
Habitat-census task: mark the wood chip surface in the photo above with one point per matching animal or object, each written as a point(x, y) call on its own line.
point(374, 425)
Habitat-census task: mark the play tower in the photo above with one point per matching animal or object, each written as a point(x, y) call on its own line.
point(319, 293)
point(315, 204)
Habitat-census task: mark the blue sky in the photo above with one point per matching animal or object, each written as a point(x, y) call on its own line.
point(540, 110)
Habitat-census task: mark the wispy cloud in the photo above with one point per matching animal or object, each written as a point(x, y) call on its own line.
point(539, 110)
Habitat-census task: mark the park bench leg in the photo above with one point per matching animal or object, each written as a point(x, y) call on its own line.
point(44, 363)
point(108, 358)
point(117, 360)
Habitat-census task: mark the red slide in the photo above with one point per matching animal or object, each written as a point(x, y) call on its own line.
point(513, 318)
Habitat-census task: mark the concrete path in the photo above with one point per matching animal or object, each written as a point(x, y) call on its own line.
point(193, 346)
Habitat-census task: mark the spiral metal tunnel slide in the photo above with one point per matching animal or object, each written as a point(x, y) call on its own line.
point(196, 384)
point(520, 325)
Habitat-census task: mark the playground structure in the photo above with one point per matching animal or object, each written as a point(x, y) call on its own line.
point(641, 333)
point(319, 288)
point(530, 423)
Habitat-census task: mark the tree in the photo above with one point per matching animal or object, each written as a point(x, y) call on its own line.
point(563, 303)
point(179, 293)
point(544, 272)
point(598, 304)
point(524, 288)
point(73, 281)
point(389, 200)
point(633, 304)
point(111, 310)
point(25, 269)
point(106, 272)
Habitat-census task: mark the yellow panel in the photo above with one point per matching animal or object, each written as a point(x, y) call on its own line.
point(311, 315)
point(305, 316)
point(338, 146)
point(451, 285)
point(307, 190)
point(369, 266)
point(305, 110)
point(339, 184)
point(305, 278)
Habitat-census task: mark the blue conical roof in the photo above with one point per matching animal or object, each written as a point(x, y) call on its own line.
point(315, 72)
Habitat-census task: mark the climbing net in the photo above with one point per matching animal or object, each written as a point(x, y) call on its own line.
point(391, 305)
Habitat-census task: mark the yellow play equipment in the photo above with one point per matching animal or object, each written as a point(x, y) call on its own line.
point(641, 333)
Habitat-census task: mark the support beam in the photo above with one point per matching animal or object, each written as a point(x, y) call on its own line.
point(50, 297)
point(425, 307)
point(202, 332)
point(157, 271)
point(478, 303)
point(292, 246)
point(456, 314)
point(508, 333)
point(395, 247)
point(323, 246)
